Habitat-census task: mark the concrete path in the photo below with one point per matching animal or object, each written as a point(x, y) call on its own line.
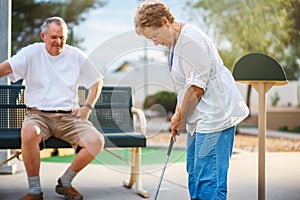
point(99, 182)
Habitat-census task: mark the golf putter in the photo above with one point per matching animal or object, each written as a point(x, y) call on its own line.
point(164, 168)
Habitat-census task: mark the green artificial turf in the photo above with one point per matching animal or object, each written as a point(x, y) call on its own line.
point(149, 156)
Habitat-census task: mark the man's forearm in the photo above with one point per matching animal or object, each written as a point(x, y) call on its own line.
point(94, 93)
point(5, 69)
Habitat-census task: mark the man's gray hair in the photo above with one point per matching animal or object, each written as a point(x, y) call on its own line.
point(57, 20)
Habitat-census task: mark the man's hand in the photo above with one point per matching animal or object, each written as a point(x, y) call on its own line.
point(82, 113)
point(94, 93)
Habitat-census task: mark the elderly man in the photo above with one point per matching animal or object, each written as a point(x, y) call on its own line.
point(52, 71)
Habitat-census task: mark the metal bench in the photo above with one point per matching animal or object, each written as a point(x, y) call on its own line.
point(113, 115)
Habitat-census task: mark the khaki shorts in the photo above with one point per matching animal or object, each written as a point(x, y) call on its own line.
point(60, 125)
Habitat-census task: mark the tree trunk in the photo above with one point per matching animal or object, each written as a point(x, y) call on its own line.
point(248, 98)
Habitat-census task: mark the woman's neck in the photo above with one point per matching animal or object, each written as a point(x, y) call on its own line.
point(176, 27)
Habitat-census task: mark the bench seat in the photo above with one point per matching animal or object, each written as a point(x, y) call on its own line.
point(113, 115)
point(11, 139)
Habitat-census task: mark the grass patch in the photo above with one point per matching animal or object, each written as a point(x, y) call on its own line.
point(149, 156)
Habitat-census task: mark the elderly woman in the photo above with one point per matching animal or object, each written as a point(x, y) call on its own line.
point(209, 105)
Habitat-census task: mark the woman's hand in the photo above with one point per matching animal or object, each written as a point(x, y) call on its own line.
point(177, 124)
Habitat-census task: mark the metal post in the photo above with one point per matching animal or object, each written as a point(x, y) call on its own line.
point(145, 60)
point(5, 44)
point(145, 69)
point(5, 33)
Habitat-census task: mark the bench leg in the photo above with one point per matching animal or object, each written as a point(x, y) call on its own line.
point(135, 176)
point(12, 157)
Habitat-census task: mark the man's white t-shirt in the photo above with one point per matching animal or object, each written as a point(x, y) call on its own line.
point(196, 62)
point(52, 81)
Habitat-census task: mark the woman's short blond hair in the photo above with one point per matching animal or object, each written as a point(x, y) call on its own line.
point(150, 13)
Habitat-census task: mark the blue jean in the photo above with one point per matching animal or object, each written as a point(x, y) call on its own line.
point(208, 157)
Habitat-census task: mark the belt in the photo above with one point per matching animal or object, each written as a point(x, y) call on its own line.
point(51, 111)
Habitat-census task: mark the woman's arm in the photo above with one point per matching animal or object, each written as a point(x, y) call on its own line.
point(190, 101)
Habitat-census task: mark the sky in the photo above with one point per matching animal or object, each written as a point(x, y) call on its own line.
point(115, 18)
point(110, 40)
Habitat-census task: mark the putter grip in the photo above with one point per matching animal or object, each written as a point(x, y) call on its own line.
point(170, 146)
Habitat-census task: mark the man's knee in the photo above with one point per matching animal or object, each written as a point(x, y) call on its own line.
point(93, 143)
point(30, 133)
point(98, 143)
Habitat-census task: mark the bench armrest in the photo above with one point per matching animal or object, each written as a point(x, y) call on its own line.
point(141, 117)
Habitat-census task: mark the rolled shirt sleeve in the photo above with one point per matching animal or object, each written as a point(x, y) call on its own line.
point(196, 66)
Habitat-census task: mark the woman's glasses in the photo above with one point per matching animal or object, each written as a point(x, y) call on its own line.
point(154, 37)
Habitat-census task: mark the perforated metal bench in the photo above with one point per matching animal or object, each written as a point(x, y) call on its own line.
point(113, 116)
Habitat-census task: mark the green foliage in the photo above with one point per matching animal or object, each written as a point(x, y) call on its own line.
point(166, 99)
point(28, 16)
point(270, 27)
point(298, 94)
point(275, 99)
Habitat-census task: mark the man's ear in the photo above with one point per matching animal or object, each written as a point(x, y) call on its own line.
point(42, 35)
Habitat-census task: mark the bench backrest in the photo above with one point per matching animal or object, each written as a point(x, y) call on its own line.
point(111, 114)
